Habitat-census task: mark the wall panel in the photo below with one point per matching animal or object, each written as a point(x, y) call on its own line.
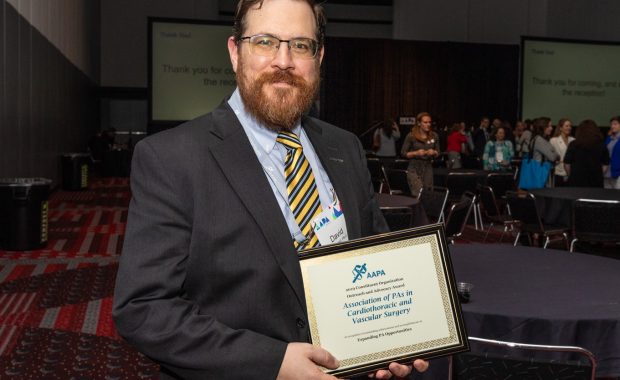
point(48, 105)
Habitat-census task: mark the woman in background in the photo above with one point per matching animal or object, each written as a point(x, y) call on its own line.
point(586, 157)
point(498, 151)
point(539, 146)
point(560, 140)
point(457, 144)
point(384, 139)
point(612, 175)
point(421, 146)
point(548, 131)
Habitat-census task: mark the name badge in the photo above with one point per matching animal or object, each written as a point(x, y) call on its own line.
point(499, 156)
point(330, 226)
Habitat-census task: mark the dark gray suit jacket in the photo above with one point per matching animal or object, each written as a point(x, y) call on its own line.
point(209, 284)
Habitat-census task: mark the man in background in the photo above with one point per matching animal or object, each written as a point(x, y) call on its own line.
point(481, 136)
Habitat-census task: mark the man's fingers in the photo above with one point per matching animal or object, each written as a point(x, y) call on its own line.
point(420, 365)
point(400, 370)
point(323, 358)
point(383, 374)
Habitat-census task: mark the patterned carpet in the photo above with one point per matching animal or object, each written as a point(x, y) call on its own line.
point(55, 303)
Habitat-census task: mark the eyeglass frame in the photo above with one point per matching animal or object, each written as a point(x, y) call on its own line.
point(288, 43)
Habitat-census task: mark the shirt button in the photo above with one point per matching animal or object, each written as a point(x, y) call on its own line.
point(300, 323)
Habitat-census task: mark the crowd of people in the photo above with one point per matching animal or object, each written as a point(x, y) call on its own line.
point(581, 156)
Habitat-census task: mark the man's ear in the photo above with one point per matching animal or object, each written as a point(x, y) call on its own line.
point(233, 52)
point(321, 52)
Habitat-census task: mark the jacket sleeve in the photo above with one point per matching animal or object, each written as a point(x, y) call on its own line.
point(151, 309)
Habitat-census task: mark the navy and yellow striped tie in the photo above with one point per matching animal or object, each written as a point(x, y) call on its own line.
point(303, 196)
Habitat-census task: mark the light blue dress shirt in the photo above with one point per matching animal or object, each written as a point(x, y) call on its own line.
point(271, 156)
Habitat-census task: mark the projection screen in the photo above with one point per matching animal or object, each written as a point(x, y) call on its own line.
point(189, 69)
point(575, 79)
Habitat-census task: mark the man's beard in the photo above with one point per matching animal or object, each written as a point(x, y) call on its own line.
point(284, 107)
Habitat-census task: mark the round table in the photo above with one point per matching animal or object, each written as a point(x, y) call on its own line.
point(389, 201)
point(555, 205)
point(530, 295)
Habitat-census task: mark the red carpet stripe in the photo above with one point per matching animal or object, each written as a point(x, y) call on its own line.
point(18, 272)
point(70, 318)
point(51, 268)
point(105, 327)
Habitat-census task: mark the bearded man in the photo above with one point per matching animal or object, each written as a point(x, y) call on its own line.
point(209, 283)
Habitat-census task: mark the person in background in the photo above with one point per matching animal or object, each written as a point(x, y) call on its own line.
point(560, 140)
point(523, 136)
point(539, 146)
point(421, 146)
point(384, 139)
point(586, 157)
point(510, 136)
point(481, 136)
point(470, 139)
point(612, 174)
point(498, 152)
point(496, 123)
point(457, 144)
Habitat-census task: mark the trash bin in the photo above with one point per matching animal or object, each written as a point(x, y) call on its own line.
point(23, 213)
point(75, 171)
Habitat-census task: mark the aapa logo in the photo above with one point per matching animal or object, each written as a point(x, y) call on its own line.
point(360, 270)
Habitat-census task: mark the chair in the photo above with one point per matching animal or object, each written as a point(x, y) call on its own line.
point(460, 182)
point(523, 209)
point(595, 221)
point(495, 359)
point(434, 202)
point(500, 183)
point(377, 174)
point(458, 215)
point(492, 211)
point(397, 181)
point(398, 217)
point(400, 163)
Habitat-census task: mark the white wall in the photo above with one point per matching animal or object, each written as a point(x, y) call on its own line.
point(124, 35)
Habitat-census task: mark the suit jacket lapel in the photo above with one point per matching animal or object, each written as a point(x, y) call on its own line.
point(335, 164)
point(235, 155)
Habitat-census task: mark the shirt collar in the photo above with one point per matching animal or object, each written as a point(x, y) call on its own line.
point(265, 137)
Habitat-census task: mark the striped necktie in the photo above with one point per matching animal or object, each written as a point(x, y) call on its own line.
point(303, 196)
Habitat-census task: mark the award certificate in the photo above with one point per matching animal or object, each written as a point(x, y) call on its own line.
point(388, 298)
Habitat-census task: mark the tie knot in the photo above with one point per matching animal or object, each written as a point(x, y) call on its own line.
point(289, 140)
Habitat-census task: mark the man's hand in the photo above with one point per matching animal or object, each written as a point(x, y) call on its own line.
point(400, 370)
point(301, 361)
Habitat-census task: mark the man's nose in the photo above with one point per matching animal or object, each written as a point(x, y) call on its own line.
point(283, 58)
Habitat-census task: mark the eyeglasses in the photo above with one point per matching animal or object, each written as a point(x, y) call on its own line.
point(267, 45)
